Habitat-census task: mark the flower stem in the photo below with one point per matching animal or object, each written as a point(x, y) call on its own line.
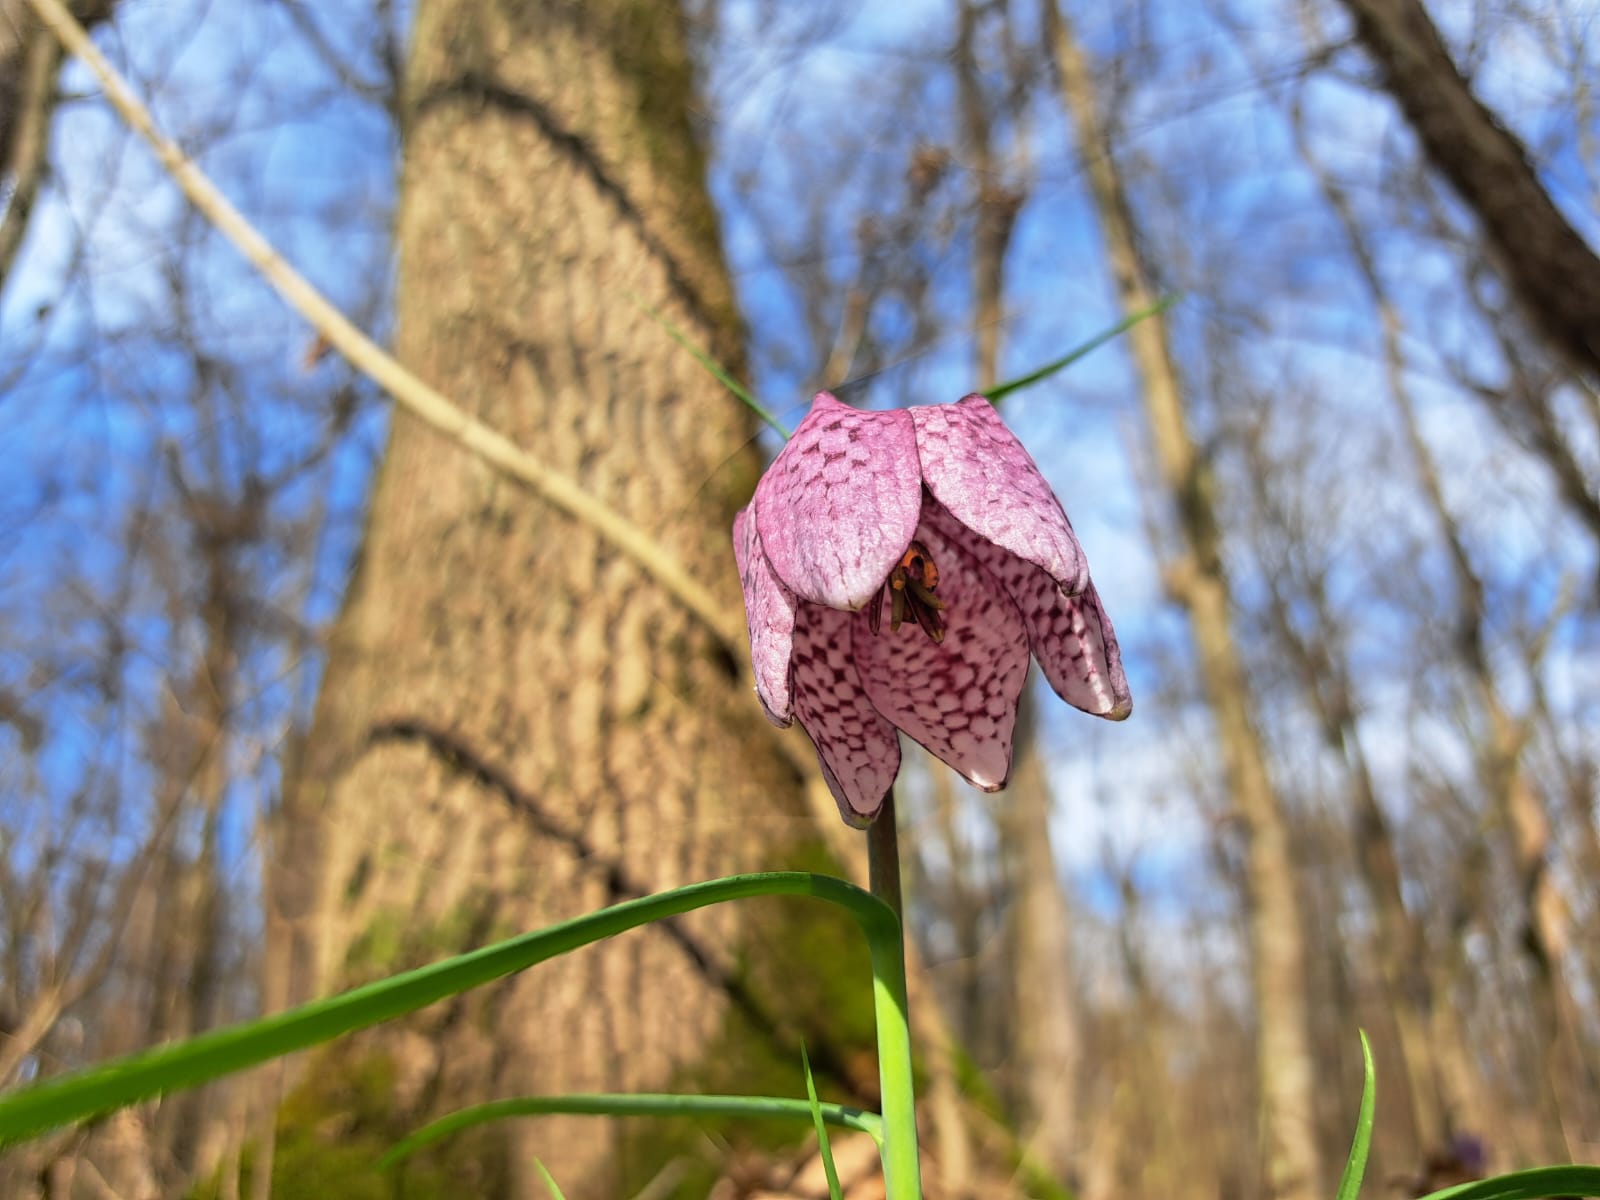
point(902, 1171)
point(883, 860)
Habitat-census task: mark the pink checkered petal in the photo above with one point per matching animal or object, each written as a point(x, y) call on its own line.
point(838, 505)
point(978, 470)
point(1071, 636)
point(959, 697)
point(769, 613)
point(1073, 640)
point(858, 749)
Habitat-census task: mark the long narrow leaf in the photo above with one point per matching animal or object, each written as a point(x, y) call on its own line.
point(998, 393)
point(631, 1104)
point(1355, 1166)
point(101, 1089)
point(1538, 1183)
point(821, 1127)
point(714, 367)
point(549, 1180)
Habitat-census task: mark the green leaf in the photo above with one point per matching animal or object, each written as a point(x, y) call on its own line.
point(1356, 1165)
point(828, 1168)
point(713, 366)
point(998, 393)
point(1537, 1183)
point(549, 1180)
point(631, 1104)
point(31, 1111)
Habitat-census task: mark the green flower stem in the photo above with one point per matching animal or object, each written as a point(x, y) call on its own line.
point(632, 1104)
point(883, 860)
point(100, 1090)
point(902, 1171)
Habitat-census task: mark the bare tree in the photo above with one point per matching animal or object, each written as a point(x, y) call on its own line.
point(1554, 272)
point(560, 733)
point(1198, 581)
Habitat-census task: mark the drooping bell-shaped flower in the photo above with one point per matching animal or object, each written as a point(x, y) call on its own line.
point(899, 568)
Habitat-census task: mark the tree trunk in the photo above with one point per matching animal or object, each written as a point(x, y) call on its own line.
point(28, 69)
point(1552, 270)
point(517, 724)
point(1047, 1052)
point(1421, 1123)
point(1436, 1110)
point(1519, 809)
point(1284, 1055)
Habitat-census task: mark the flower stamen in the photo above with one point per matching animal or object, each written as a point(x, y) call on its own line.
point(910, 588)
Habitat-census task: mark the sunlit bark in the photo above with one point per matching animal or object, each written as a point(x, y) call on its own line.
point(517, 724)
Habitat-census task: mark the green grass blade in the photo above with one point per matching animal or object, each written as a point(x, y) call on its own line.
point(99, 1090)
point(714, 367)
point(998, 393)
point(1356, 1165)
point(633, 1104)
point(549, 1180)
point(1538, 1183)
point(834, 1192)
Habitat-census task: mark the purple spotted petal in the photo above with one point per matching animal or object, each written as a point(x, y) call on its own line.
point(838, 505)
point(978, 470)
point(769, 613)
point(1071, 636)
point(1099, 663)
point(1073, 640)
point(959, 697)
point(858, 749)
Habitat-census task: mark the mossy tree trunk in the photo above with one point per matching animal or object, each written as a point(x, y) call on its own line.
point(517, 724)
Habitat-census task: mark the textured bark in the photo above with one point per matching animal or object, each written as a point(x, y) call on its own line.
point(1553, 271)
point(1284, 1053)
point(516, 724)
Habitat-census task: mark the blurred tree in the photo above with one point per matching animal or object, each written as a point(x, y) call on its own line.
point(1552, 270)
point(1198, 580)
point(1042, 1063)
point(516, 724)
point(30, 60)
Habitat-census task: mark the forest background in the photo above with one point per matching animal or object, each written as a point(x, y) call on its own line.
point(295, 692)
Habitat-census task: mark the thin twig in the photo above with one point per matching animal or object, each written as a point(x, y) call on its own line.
point(367, 357)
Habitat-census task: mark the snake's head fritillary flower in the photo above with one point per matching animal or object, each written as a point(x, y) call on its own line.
point(899, 568)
